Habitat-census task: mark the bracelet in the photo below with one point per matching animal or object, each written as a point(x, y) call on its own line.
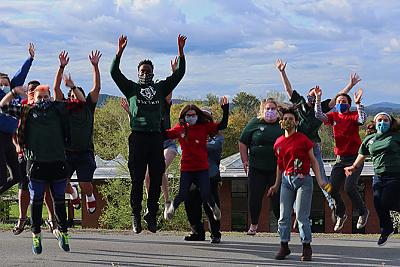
point(62, 67)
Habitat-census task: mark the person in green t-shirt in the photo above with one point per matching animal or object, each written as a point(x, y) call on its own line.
point(384, 149)
point(309, 124)
point(80, 152)
point(256, 146)
point(145, 98)
point(43, 134)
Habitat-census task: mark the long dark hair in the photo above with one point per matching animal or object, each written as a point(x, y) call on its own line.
point(202, 117)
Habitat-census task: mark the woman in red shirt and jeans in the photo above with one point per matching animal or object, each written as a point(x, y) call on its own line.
point(345, 125)
point(192, 132)
point(295, 155)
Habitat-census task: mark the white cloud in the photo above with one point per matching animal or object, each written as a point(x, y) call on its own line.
point(394, 45)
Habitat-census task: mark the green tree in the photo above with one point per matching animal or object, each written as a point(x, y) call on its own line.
point(277, 95)
point(211, 100)
point(247, 103)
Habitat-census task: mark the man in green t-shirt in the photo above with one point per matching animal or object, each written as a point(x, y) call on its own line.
point(80, 151)
point(145, 98)
point(309, 124)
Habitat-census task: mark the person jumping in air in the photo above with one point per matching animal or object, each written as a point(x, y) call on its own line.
point(345, 125)
point(146, 99)
point(192, 131)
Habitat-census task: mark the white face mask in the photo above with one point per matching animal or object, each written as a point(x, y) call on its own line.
point(6, 89)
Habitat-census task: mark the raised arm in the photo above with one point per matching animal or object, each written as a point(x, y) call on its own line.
point(94, 58)
point(122, 82)
point(318, 109)
point(354, 79)
point(70, 84)
point(362, 117)
point(174, 66)
point(20, 76)
point(281, 66)
point(225, 113)
point(64, 59)
point(172, 81)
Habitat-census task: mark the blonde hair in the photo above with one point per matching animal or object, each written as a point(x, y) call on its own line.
point(263, 103)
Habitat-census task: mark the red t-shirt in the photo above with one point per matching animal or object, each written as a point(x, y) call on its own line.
point(345, 132)
point(194, 145)
point(292, 153)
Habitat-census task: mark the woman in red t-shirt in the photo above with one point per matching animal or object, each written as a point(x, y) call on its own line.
point(295, 156)
point(345, 125)
point(192, 131)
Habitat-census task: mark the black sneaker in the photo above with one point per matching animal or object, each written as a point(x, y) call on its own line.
point(215, 240)
point(136, 224)
point(383, 239)
point(151, 222)
point(195, 237)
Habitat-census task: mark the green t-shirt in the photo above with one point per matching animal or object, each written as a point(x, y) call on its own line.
point(384, 150)
point(81, 126)
point(260, 138)
point(44, 133)
point(308, 123)
point(146, 101)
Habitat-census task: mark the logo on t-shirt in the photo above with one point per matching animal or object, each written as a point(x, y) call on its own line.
point(148, 92)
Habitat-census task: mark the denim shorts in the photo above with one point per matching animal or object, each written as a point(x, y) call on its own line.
point(83, 162)
point(170, 144)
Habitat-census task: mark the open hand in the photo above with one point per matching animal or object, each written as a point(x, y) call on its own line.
point(94, 57)
point(174, 64)
point(354, 79)
point(122, 42)
point(224, 101)
point(349, 170)
point(317, 91)
point(63, 58)
point(272, 190)
point(181, 41)
point(124, 104)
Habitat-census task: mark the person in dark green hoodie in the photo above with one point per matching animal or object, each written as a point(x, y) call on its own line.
point(145, 98)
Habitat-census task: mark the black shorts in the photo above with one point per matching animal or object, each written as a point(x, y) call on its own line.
point(24, 181)
point(46, 171)
point(83, 163)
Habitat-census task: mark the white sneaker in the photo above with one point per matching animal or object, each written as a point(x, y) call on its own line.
point(166, 207)
point(340, 223)
point(363, 219)
point(169, 214)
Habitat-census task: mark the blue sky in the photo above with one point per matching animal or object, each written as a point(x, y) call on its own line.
point(231, 46)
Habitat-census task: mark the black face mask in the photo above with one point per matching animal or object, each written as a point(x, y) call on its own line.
point(146, 78)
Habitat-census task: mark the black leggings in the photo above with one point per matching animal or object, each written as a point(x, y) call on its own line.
point(259, 182)
point(193, 210)
point(8, 157)
point(386, 198)
point(145, 149)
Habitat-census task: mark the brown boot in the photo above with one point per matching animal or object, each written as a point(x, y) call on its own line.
point(307, 252)
point(283, 251)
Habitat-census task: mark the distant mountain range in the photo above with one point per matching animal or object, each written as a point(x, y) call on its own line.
point(370, 110)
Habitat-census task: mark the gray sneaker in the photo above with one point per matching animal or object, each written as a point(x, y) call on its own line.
point(340, 223)
point(363, 219)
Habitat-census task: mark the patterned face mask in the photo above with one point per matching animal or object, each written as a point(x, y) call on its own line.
point(270, 114)
point(311, 99)
point(287, 124)
point(146, 78)
point(43, 104)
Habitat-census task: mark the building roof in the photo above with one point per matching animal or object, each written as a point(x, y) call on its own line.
point(232, 167)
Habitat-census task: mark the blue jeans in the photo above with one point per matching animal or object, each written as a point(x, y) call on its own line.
point(300, 190)
point(318, 156)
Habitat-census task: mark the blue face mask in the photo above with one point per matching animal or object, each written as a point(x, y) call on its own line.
point(191, 120)
point(342, 108)
point(6, 89)
point(382, 126)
